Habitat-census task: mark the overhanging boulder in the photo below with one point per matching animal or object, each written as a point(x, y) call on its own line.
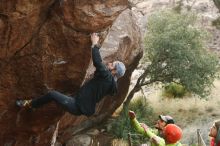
point(46, 45)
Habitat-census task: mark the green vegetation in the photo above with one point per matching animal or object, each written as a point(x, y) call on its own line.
point(174, 90)
point(175, 51)
point(120, 127)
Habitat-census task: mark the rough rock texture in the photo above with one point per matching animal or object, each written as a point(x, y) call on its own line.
point(80, 140)
point(46, 45)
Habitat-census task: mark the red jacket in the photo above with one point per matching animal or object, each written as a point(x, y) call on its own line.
point(212, 142)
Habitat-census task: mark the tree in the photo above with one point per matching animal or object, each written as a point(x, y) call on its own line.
point(175, 50)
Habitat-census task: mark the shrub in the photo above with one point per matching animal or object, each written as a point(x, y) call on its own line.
point(174, 90)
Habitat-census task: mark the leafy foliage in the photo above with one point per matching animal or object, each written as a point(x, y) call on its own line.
point(174, 90)
point(121, 126)
point(175, 48)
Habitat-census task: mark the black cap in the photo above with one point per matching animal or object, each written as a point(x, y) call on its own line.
point(167, 119)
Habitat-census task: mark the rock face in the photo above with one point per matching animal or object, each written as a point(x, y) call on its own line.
point(46, 45)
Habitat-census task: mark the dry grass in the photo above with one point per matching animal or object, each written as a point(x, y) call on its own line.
point(119, 142)
point(191, 113)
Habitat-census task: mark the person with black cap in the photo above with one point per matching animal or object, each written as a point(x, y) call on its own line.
point(162, 122)
point(103, 83)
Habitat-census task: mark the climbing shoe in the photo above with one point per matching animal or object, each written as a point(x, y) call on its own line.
point(23, 103)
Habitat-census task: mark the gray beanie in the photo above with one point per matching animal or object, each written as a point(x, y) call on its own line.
point(120, 68)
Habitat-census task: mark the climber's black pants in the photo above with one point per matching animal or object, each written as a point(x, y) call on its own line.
point(68, 103)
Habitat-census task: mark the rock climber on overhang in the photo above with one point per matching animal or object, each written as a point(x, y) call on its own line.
point(84, 101)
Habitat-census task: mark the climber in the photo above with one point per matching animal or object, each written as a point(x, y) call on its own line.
point(84, 101)
point(171, 133)
point(161, 123)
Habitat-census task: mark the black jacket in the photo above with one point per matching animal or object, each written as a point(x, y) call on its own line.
point(100, 85)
